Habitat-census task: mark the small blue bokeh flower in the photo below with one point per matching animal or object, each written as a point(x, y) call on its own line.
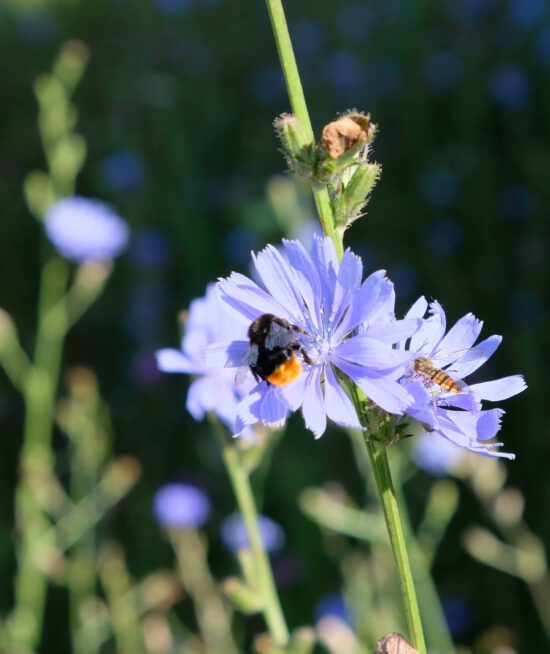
point(181, 506)
point(332, 605)
point(123, 170)
point(235, 538)
point(345, 327)
point(214, 389)
point(456, 416)
point(82, 229)
point(509, 87)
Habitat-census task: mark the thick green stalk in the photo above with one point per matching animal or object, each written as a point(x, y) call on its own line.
point(377, 453)
point(247, 507)
point(379, 459)
point(299, 108)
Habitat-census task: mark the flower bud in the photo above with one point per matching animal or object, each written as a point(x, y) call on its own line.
point(349, 205)
point(292, 137)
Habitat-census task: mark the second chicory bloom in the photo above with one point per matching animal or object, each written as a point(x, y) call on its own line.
point(214, 389)
point(456, 416)
point(344, 326)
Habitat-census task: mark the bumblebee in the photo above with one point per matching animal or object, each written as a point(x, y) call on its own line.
point(274, 344)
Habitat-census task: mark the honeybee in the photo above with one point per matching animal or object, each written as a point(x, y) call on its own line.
point(271, 356)
point(426, 368)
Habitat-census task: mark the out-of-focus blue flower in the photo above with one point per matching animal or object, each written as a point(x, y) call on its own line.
point(355, 21)
point(238, 244)
point(405, 278)
point(181, 506)
point(457, 416)
point(308, 37)
point(344, 70)
point(543, 46)
point(146, 308)
point(466, 11)
point(383, 77)
point(437, 456)
point(83, 229)
point(527, 12)
point(516, 203)
point(122, 170)
point(443, 236)
point(509, 87)
point(441, 70)
point(341, 324)
point(150, 248)
point(438, 187)
point(525, 308)
point(332, 605)
point(234, 536)
point(458, 616)
point(173, 7)
point(215, 389)
point(37, 26)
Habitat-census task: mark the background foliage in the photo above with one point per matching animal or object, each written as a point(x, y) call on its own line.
point(176, 107)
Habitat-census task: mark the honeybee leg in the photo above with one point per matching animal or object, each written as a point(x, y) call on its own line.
point(256, 376)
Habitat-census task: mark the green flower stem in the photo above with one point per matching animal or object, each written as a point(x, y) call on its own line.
point(299, 108)
point(376, 452)
point(36, 460)
point(245, 500)
point(379, 459)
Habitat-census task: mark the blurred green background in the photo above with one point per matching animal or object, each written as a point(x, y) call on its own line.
point(176, 106)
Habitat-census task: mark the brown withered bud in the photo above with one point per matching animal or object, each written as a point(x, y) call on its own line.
point(394, 644)
point(341, 135)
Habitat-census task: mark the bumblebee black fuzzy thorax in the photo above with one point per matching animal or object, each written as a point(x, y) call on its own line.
point(274, 344)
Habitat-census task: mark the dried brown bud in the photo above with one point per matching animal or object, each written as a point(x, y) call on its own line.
point(394, 644)
point(341, 135)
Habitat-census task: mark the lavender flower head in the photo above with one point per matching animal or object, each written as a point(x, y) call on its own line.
point(234, 536)
point(456, 413)
point(181, 506)
point(214, 389)
point(343, 326)
point(81, 229)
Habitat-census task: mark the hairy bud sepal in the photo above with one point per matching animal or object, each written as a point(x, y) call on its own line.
point(299, 154)
point(351, 198)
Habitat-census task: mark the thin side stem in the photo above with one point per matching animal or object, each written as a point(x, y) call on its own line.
point(379, 459)
point(247, 507)
point(36, 458)
point(240, 482)
point(299, 108)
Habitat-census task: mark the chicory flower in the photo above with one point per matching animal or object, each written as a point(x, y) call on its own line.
point(345, 328)
point(82, 229)
point(214, 389)
point(181, 506)
point(235, 537)
point(456, 416)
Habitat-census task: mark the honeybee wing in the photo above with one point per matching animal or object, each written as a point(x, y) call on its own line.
point(249, 359)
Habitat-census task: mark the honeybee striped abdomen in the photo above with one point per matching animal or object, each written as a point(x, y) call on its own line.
point(440, 377)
